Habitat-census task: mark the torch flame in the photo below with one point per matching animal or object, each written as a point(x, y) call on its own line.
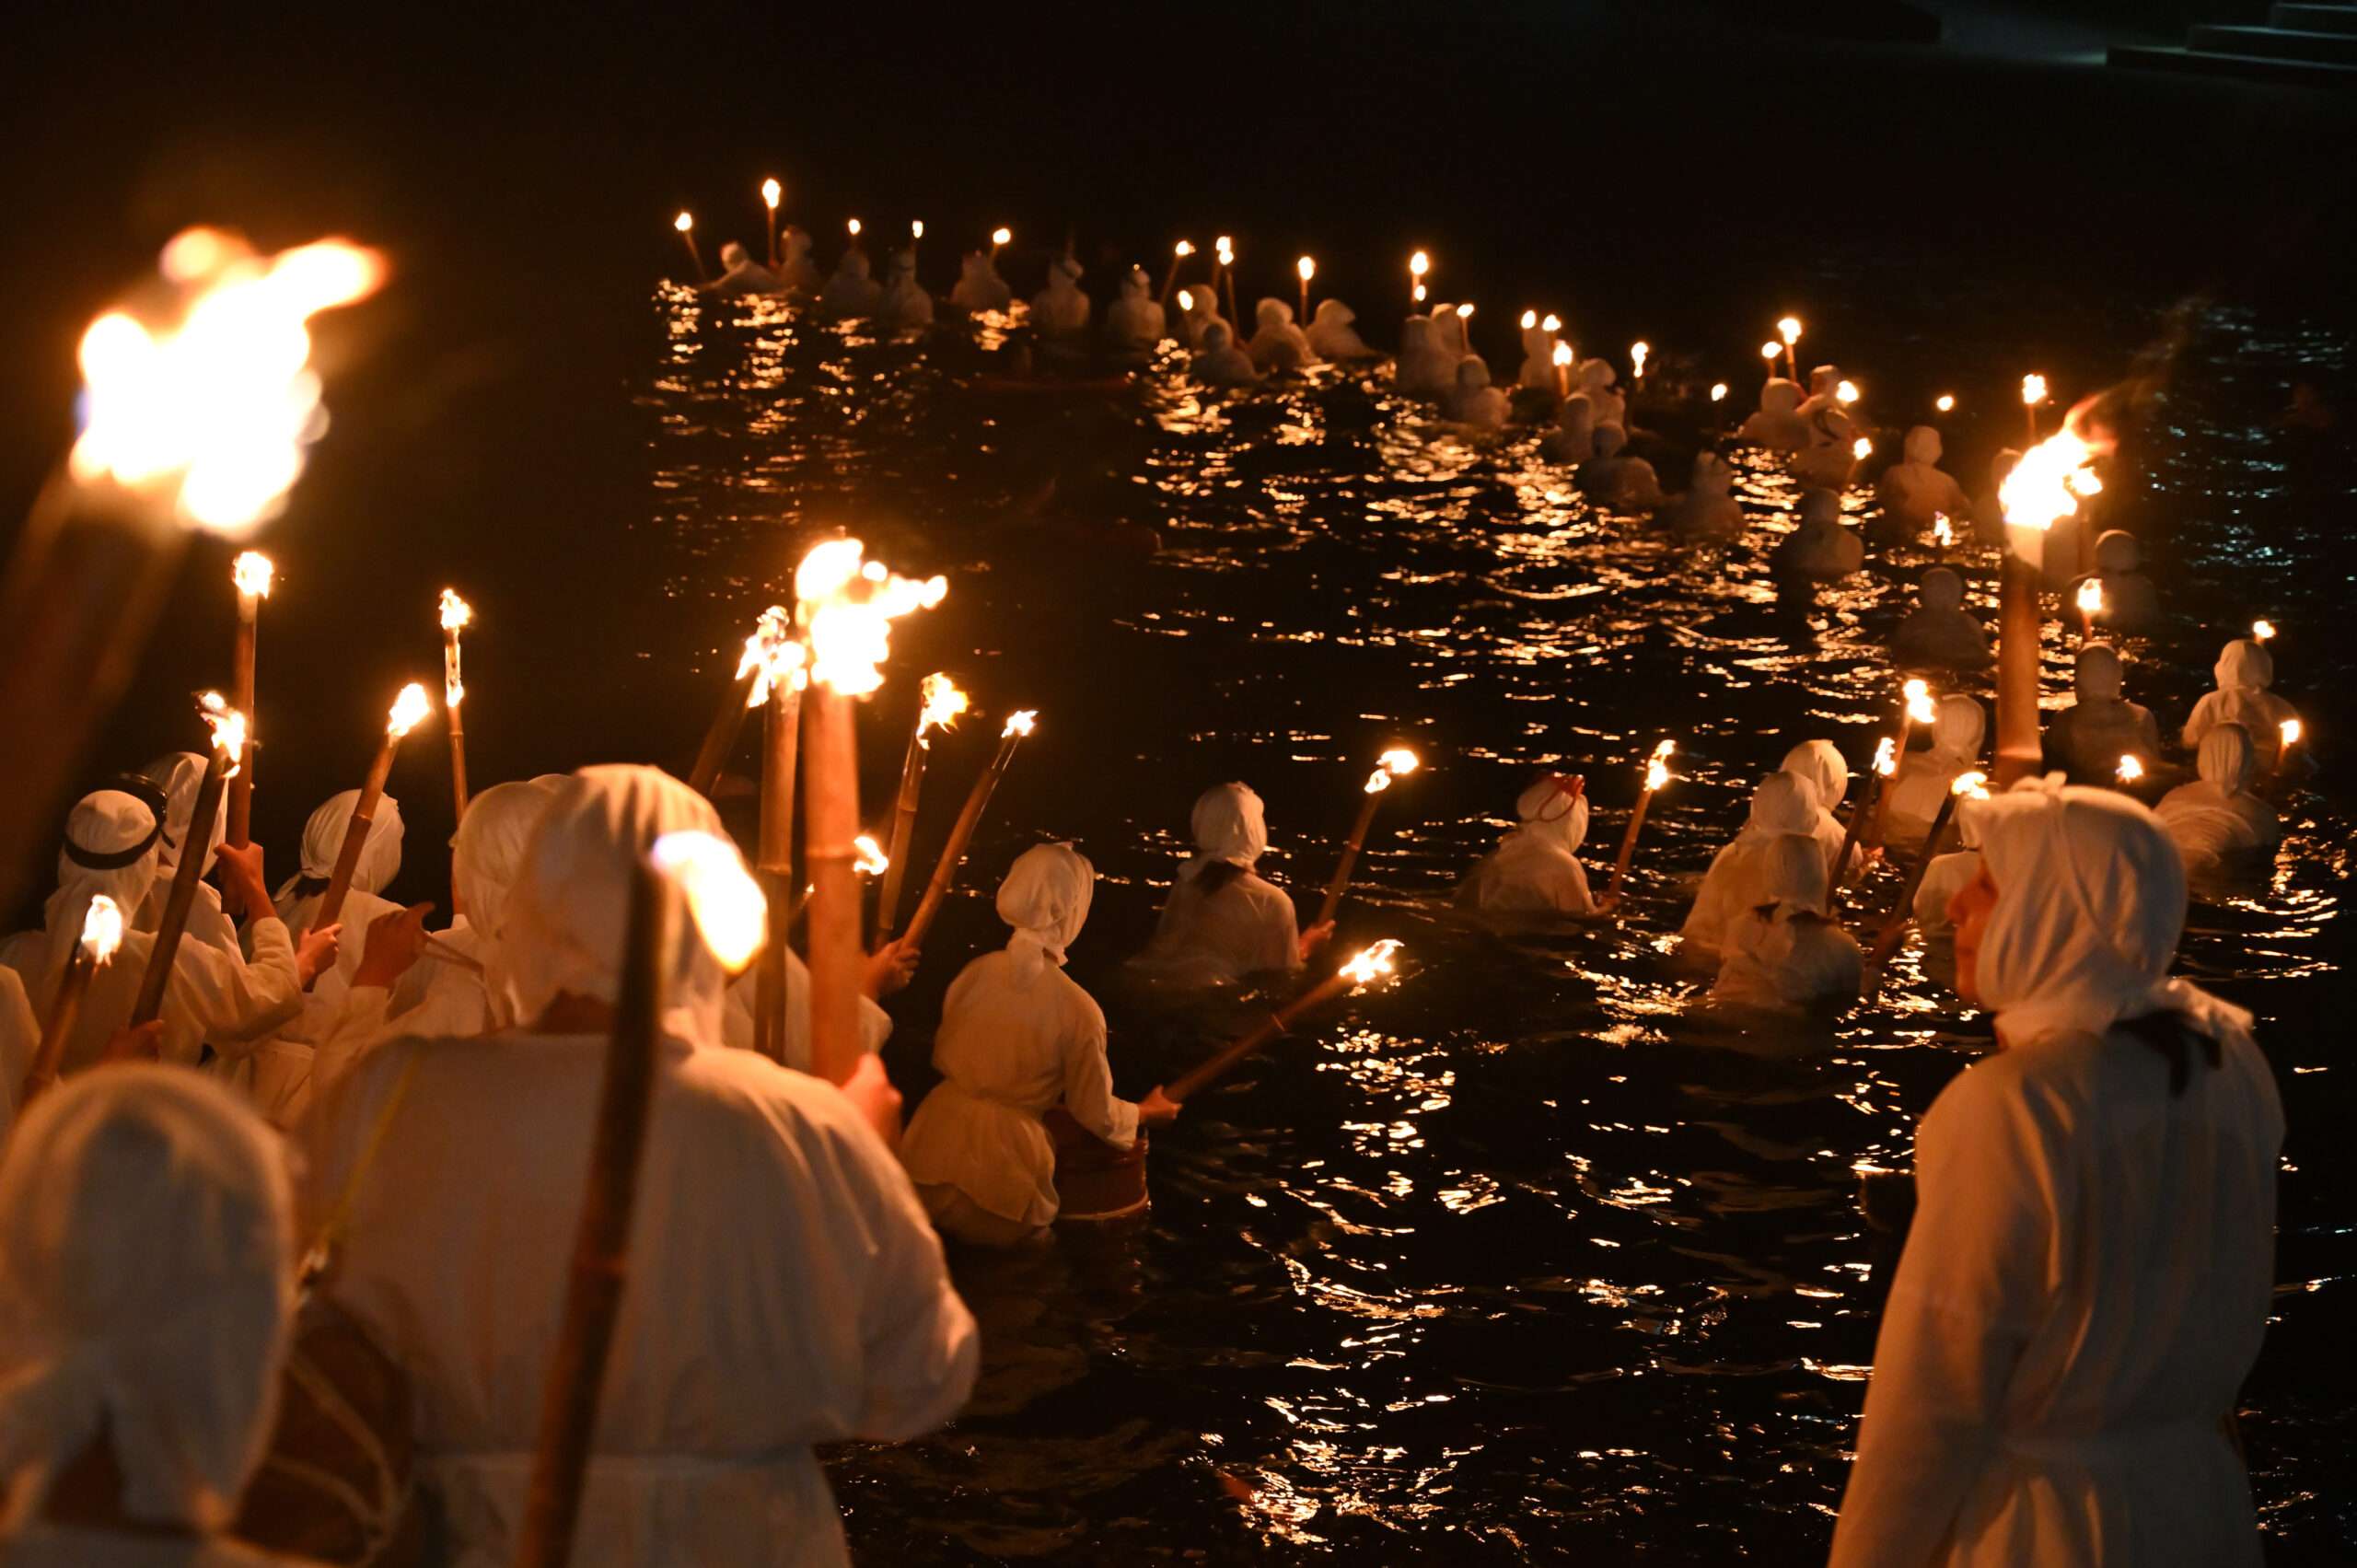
point(770, 192)
point(1464, 312)
point(1656, 774)
point(1399, 761)
point(1944, 403)
point(684, 222)
point(942, 704)
point(1226, 250)
point(2129, 769)
point(1021, 722)
point(1846, 392)
point(1371, 964)
point(1183, 249)
point(1418, 264)
point(251, 572)
point(723, 901)
point(1529, 319)
point(1861, 450)
point(2290, 730)
point(854, 225)
point(455, 611)
point(1553, 323)
point(848, 606)
point(1976, 785)
point(1886, 756)
point(2033, 389)
point(228, 726)
point(1002, 235)
point(1769, 352)
point(1638, 352)
point(1563, 353)
point(1186, 299)
point(217, 407)
point(916, 228)
point(773, 655)
point(2091, 597)
point(2262, 629)
point(1379, 781)
point(870, 859)
point(1943, 531)
point(1420, 294)
point(1789, 329)
point(101, 929)
point(408, 708)
point(2041, 490)
point(1919, 701)
point(1718, 391)
point(1307, 268)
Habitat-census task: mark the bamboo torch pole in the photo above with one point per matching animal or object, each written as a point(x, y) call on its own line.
point(941, 705)
point(251, 572)
point(1363, 968)
point(102, 928)
point(408, 709)
point(1878, 785)
point(1895, 927)
point(456, 614)
point(847, 605)
point(228, 745)
point(748, 691)
point(1397, 764)
point(961, 832)
point(781, 751)
point(1178, 253)
point(1656, 775)
point(686, 223)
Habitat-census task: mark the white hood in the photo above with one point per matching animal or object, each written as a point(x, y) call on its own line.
point(1045, 898)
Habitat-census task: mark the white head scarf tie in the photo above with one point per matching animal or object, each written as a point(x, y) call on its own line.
point(1045, 898)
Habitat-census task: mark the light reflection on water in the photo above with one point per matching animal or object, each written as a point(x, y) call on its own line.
point(1518, 1256)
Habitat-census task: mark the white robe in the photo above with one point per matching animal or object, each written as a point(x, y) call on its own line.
point(234, 1005)
point(19, 1038)
point(1017, 1038)
point(1246, 928)
point(1943, 879)
point(1532, 872)
point(2084, 1291)
point(783, 1290)
point(1788, 963)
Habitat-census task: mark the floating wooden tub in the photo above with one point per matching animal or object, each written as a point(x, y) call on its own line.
point(1096, 1182)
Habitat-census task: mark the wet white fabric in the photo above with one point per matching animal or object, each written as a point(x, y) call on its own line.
point(1940, 630)
point(1277, 343)
point(1536, 868)
point(1537, 372)
point(1916, 489)
point(1614, 480)
point(2243, 672)
point(740, 275)
point(1777, 424)
point(1061, 309)
point(212, 996)
point(1820, 763)
point(795, 269)
point(783, 1287)
point(1135, 320)
point(1824, 389)
point(852, 292)
point(1200, 313)
point(1596, 379)
point(1948, 876)
point(1017, 1038)
point(146, 1284)
point(1448, 334)
point(1426, 366)
point(1333, 336)
point(2090, 1269)
point(1573, 438)
point(2216, 817)
point(1831, 454)
point(1782, 955)
point(1707, 508)
point(1222, 364)
point(1736, 881)
point(1959, 724)
point(2088, 738)
point(1473, 401)
point(180, 775)
point(904, 303)
point(1820, 546)
point(1217, 934)
point(980, 287)
point(2131, 602)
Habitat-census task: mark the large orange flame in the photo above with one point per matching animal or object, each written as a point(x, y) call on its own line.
point(409, 709)
point(101, 929)
point(848, 605)
point(724, 903)
point(1372, 963)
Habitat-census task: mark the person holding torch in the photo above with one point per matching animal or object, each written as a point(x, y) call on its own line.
point(1223, 921)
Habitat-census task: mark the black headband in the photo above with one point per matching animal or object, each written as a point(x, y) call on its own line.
point(142, 790)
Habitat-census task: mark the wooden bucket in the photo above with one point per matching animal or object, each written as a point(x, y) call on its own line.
point(1096, 1182)
point(336, 1485)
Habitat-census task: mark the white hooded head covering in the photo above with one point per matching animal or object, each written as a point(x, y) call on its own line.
point(146, 1284)
point(1556, 808)
point(180, 775)
point(562, 927)
point(1821, 510)
point(1610, 438)
point(1923, 446)
point(2246, 665)
point(1045, 898)
point(2099, 675)
point(2226, 760)
point(1780, 396)
point(1135, 284)
point(380, 856)
point(1713, 474)
point(1273, 313)
point(1597, 375)
point(114, 846)
point(1824, 381)
point(797, 241)
point(488, 848)
point(2118, 553)
point(732, 255)
point(1333, 313)
point(1473, 374)
point(1416, 336)
point(1577, 420)
point(1957, 726)
point(1216, 337)
point(1942, 589)
point(1820, 762)
point(2091, 901)
point(1784, 803)
point(1792, 874)
point(1229, 824)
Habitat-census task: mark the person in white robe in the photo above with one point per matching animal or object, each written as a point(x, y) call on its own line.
point(795, 270)
point(1604, 402)
point(1537, 372)
point(1820, 762)
point(2216, 820)
point(1019, 1038)
point(979, 288)
point(1061, 309)
point(112, 847)
point(1473, 401)
point(180, 775)
point(2131, 602)
point(1940, 630)
point(1222, 364)
point(1573, 439)
point(364, 904)
point(852, 292)
point(784, 1288)
point(1783, 955)
point(1223, 922)
point(1277, 343)
point(741, 275)
point(1921, 786)
point(1133, 324)
point(1776, 424)
point(904, 302)
point(1535, 872)
point(1819, 548)
point(20, 1038)
point(1615, 479)
point(1784, 803)
point(1915, 490)
point(1334, 337)
point(2088, 739)
point(146, 1303)
point(2243, 672)
point(1707, 507)
point(1425, 368)
point(1199, 313)
point(2090, 1269)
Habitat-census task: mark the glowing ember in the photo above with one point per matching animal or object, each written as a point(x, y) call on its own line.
point(770, 192)
point(1021, 722)
point(723, 901)
point(1307, 268)
point(215, 408)
point(2091, 597)
point(2262, 629)
point(870, 859)
point(101, 929)
point(1563, 353)
point(1770, 352)
point(1372, 964)
point(1399, 761)
point(1553, 323)
point(1976, 785)
point(1184, 249)
point(1846, 392)
point(1418, 264)
point(253, 572)
point(1638, 352)
point(1943, 531)
point(1789, 329)
point(228, 726)
point(942, 704)
point(2129, 769)
point(1861, 450)
point(455, 611)
point(2290, 730)
point(684, 222)
point(1001, 235)
point(1718, 391)
point(2033, 389)
point(1529, 319)
point(1945, 402)
point(773, 655)
point(1919, 701)
point(2039, 491)
point(848, 606)
point(408, 709)
point(1886, 756)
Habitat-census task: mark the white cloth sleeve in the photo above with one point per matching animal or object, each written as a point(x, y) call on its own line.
point(236, 1005)
point(1088, 1085)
